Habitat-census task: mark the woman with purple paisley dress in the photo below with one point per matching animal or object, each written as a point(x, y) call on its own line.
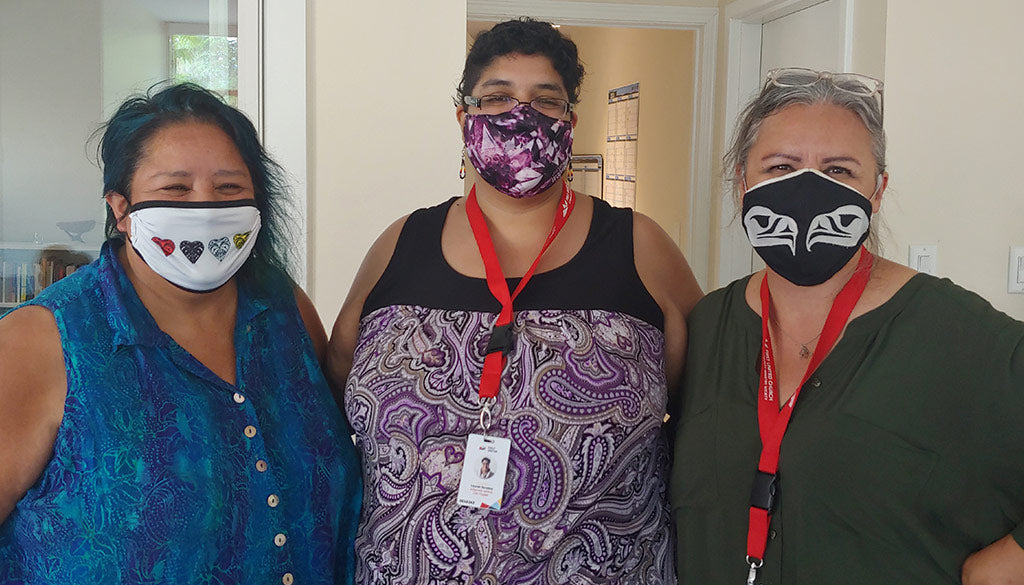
point(563, 387)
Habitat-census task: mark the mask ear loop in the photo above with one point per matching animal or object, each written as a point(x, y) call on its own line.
point(878, 186)
point(127, 212)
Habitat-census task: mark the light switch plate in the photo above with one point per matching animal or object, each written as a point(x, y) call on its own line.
point(924, 258)
point(1015, 272)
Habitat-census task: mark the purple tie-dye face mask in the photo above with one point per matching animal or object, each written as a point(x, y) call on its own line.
point(521, 152)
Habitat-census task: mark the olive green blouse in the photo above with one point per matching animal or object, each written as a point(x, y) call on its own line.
point(905, 452)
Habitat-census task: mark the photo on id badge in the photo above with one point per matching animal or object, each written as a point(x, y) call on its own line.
point(483, 472)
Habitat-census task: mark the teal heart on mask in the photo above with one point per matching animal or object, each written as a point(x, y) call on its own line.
point(220, 247)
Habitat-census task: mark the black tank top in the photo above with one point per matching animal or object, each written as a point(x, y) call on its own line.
point(602, 275)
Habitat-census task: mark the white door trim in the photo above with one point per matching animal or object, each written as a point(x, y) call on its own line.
point(250, 61)
point(704, 22)
point(284, 112)
point(272, 92)
point(743, 80)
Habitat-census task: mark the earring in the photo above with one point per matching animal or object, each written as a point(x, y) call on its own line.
point(462, 169)
point(569, 178)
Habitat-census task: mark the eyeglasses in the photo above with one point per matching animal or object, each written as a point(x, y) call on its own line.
point(499, 104)
point(851, 83)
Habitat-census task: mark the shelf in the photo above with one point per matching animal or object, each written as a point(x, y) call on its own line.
point(30, 246)
point(27, 268)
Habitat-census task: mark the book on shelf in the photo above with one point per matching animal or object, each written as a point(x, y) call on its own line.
point(22, 281)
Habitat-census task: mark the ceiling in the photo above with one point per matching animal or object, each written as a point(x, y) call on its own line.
point(197, 11)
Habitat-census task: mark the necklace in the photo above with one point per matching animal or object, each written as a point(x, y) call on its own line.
point(805, 352)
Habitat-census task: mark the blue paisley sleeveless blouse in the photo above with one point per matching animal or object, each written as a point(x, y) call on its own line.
point(164, 473)
point(583, 399)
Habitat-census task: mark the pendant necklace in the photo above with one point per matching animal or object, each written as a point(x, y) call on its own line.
point(805, 352)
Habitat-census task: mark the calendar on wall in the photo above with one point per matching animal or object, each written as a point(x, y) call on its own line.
point(621, 149)
point(588, 170)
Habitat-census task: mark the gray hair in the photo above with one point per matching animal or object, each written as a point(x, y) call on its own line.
point(800, 87)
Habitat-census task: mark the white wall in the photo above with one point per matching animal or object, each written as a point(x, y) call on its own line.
point(869, 38)
point(953, 109)
point(50, 99)
point(135, 51)
point(64, 66)
point(689, 3)
point(382, 128)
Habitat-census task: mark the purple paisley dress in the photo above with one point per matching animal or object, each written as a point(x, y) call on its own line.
point(582, 400)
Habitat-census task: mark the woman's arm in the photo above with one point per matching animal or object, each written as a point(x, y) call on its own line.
point(345, 333)
point(668, 278)
point(33, 387)
point(1000, 563)
point(314, 326)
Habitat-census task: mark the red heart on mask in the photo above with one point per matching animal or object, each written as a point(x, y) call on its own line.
point(166, 245)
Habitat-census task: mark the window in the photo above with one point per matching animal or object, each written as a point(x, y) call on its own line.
point(205, 59)
point(55, 91)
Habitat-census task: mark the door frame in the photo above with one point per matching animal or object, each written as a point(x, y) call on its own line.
point(744, 19)
point(272, 92)
point(704, 22)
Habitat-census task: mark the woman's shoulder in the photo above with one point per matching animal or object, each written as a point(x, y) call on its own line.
point(432, 216)
point(33, 386)
point(940, 317)
point(946, 301)
point(72, 290)
point(721, 300)
point(411, 230)
point(30, 344)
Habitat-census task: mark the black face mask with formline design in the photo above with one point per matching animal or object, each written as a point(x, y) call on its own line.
point(806, 226)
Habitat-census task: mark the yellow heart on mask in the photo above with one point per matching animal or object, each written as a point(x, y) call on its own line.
point(240, 239)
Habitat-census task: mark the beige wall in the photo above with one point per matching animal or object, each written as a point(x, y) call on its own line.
point(954, 90)
point(382, 131)
point(663, 62)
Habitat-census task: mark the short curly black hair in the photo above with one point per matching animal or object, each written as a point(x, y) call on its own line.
point(524, 36)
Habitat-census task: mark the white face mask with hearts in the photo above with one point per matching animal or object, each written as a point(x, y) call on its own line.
point(197, 246)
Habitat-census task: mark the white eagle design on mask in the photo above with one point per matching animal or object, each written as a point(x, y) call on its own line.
point(767, 228)
point(842, 227)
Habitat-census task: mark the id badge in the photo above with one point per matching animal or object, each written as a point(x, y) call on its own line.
point(483, 472)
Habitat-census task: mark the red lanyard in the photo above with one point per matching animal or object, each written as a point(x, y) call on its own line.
point(501, 334)
point(772, 420)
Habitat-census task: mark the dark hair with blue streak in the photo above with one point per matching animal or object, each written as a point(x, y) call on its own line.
point(128, 131)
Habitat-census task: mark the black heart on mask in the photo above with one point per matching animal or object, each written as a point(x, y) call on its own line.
point(191, 250)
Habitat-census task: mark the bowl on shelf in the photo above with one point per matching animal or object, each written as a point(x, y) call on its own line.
point(75, 229)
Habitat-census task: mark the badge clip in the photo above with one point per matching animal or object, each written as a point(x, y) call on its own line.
point(485, 413)
point(755, 564)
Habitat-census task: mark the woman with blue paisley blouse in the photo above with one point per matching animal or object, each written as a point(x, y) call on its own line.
point(561, 388)
point(165, 418)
